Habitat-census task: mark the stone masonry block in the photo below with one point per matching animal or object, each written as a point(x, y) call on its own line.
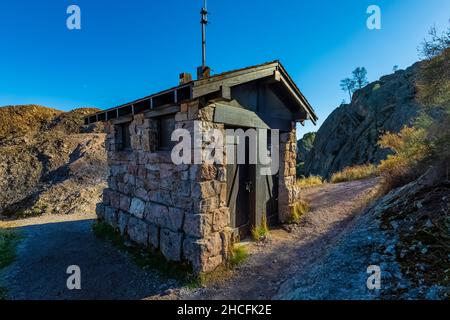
point(110, 216)
point(138, 231)
point(171, 244)
point(197, 225)
point(137, 208)
point(123, 222)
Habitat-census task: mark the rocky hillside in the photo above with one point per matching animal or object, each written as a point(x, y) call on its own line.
point(304, 146)
point(49, 161)
point(405, 233)
point(350, 134)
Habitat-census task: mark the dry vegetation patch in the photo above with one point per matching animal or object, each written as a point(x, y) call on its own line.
point(310, 181)
point(358, 172)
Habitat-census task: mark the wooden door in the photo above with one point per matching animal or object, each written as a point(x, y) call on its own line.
point(271, 185)
point(240, 187)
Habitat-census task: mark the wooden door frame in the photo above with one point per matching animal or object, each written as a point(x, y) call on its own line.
point(251, 197)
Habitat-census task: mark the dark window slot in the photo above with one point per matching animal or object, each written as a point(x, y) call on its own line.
point(125, 111)
point(112, 114)
point(184, 93)
point(164, 99)
point(166, 125)
point(123, 136)
point(102, 117)
point(142, 106)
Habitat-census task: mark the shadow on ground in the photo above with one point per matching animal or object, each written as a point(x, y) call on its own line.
point(46, 251)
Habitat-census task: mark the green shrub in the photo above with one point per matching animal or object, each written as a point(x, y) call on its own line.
point(8, 242)
point(103, 230)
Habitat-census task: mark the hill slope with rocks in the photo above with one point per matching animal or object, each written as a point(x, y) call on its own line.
point(405, 233)
point(350, 134)
point(304, 146)
point(49, 161)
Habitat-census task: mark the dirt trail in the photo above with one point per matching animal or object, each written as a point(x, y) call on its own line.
point(334, 208)
point(51, 243)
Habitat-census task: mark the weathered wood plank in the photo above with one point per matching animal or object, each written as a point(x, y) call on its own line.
point(122, 119)
point(204, 89)
point(162, 111)
point(238, 117)
point(235, 73)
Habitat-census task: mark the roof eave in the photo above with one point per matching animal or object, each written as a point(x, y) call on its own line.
point(301, 98)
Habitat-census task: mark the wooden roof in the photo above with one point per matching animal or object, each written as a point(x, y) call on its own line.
point(198, 88)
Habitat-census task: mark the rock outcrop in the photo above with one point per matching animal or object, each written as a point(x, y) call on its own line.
point(304, 146)
point(405, 234)
point(350, 134)
point(49, 161)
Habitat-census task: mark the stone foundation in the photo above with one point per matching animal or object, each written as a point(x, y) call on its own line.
point(288, 192)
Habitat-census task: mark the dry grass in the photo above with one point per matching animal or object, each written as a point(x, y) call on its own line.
point(299, 209)
point(310, 181)
point(411, 149)
point(238, 255)
point(355, 173)
point(261, 232)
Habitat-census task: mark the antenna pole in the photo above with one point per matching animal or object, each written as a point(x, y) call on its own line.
point(204, 22)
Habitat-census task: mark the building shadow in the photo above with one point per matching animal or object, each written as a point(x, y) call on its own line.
point(47, 250)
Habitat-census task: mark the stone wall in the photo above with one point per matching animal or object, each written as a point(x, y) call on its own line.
point(288, 192)
point(177, 209)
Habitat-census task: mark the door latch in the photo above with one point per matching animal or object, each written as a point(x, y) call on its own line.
point(248, 186)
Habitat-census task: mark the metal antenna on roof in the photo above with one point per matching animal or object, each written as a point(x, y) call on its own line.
point(204, 22)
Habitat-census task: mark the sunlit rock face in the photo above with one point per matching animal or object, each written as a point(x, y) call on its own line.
point(350, 134)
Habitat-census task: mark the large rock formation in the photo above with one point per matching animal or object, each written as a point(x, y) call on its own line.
point(350, 134)
point(49, 161)
point(304, 146)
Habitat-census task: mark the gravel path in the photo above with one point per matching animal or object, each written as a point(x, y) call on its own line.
point(271, 266)
point(52, 243)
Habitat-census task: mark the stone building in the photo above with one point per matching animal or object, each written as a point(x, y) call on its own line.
point(193, 212)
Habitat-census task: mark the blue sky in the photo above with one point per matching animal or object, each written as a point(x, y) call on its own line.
point(129, 49)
